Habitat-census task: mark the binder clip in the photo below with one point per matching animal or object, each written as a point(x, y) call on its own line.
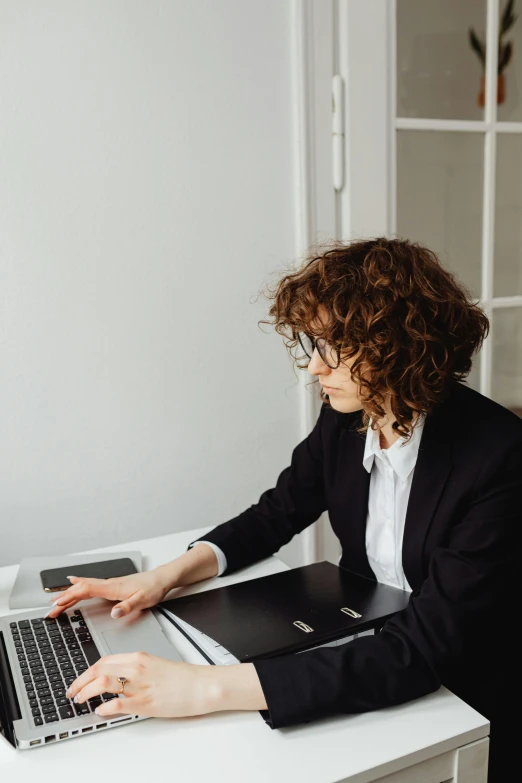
point(303, 626)
point(351, 612)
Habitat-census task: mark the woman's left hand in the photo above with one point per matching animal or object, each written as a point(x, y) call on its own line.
point(155, 686)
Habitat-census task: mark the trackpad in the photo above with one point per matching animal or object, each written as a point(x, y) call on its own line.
point(139, 639)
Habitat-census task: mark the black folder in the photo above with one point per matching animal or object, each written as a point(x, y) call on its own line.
point(290, 611)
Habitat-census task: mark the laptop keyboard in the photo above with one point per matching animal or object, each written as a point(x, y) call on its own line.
point(52, 653)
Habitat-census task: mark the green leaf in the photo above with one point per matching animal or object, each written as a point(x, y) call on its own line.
point(508, 18)
point(505, 56)
point(477, 46)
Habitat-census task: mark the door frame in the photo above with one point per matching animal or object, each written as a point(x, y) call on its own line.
point(312, 58)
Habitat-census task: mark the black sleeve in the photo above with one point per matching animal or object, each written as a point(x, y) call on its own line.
point(297, 500)
point(467, 582)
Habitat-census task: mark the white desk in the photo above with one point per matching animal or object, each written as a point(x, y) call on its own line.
point(434, 739)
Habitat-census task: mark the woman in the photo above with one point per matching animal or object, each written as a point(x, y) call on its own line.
point(421, 477)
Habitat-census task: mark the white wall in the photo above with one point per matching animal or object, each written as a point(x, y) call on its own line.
point(146, 195)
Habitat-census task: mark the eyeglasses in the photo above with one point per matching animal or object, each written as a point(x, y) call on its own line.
point(329, 355)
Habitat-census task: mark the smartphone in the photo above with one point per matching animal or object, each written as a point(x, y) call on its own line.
point(54, 579)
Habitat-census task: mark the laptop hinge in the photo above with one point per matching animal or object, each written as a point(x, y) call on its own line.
point(9, 704)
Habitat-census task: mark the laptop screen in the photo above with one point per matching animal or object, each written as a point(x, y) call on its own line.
point(5, 721)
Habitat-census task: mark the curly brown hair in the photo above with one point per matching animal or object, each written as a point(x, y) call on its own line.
point(409, 326)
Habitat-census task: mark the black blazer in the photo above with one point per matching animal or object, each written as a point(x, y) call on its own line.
point(461, 554)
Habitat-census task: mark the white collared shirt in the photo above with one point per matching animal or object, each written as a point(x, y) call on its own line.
point(390, 484)
point(391, 477)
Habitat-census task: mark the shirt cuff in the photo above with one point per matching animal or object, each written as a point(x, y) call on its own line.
point(221, 557)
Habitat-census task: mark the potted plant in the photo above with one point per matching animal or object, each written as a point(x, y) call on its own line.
point(505, 53)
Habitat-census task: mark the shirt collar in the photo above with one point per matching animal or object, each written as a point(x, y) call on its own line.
point(401, 455)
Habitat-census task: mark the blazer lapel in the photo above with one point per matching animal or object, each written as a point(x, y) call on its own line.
point(430, 475)
point(355, 502)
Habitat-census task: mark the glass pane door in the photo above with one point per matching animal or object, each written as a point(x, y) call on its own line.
point(438, 72)
point(440, 177)
point(457, 158)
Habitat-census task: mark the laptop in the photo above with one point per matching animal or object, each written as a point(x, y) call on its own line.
point(40, 657)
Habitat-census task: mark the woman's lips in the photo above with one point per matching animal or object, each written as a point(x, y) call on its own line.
point(329, 389)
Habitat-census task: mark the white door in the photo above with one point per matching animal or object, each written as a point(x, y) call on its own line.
point(426, 160)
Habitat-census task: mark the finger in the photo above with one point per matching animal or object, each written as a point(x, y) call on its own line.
point(78, 592)
point(56, 596)
point(131, 603)
point(56, 610)
point(89, 588)
point(66, 591)
point(116, 706)
point(53, 600)
point(104, 684)
point(71, 594)
point(118, 665)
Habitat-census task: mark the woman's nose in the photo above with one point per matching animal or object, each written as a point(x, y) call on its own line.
point(316, 366)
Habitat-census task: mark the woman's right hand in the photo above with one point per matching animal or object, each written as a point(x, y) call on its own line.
point(143, 590)
point(137, 591)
